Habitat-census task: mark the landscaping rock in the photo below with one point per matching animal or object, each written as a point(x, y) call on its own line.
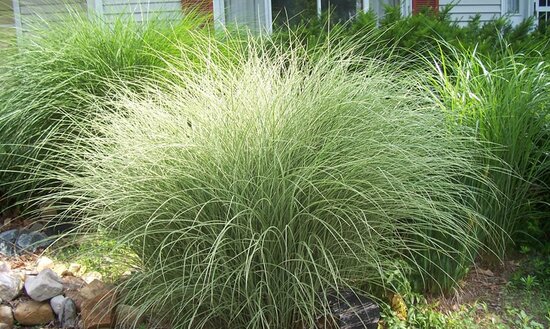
point(7, 242)
point(5, 267)
point(60, 269)
point(74, 268)
point(44, 286)
point(44, 263)
point(76, 297)
point(10, 286)
point(93, 289)
point(32, 313)
point(36, 227)
point(47, 211)
point(72, 283)
point(6, 316)
point(68, 314)
point(79, 291)
point(98, 312)
point(128, 317)
point(57, 304)
point(32, 241)
point(92, 276)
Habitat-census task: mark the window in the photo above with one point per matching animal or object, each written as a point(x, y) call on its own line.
point(250, 13)
point(295, 11)
point(260, 15)
point(512, 6)
point(342, 10)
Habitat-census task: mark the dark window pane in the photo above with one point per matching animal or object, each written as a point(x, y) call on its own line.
point(341, 10)
point(293, 11)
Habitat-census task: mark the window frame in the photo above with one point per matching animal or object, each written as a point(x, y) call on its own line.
point(507, 4)
point(219, 12)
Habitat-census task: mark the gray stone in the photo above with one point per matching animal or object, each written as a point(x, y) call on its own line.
point(5, 267)
point(6, 316)
point(44, 286)
point(7, 242)
point(90, 277)
point(36, 227)
point(32, 241)
point(43, 263)
point(10, 286)
point(57, 304)
point(67, 317)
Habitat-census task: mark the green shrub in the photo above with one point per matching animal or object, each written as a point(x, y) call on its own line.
point(61, 72)
point(508, 104)
point(250, 191)
point(420, 34)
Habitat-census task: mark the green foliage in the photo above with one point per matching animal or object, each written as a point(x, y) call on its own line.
point(507, 103)
point(64, 70)
point(250, 191)
point(95, 255)
point(521, 320)
point(420, 34)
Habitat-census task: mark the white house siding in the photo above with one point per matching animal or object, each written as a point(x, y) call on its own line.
point(33, 12)
point(464, 10)
point(141, 9)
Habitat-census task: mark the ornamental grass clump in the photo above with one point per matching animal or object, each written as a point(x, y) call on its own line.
point(250, 192)
point(506, 102)
point(63, 68)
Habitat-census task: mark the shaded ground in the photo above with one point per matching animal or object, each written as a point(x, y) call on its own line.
point(515, 293)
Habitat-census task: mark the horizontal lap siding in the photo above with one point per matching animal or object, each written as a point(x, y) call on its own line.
point(464, 10)
point(35, 11)
point(141, 9)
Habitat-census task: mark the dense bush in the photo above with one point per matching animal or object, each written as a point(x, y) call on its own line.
point(250, 191)
point(251, 182)
point(494, 74)
point(508, 104)
point(420, 34)
point(64, 70)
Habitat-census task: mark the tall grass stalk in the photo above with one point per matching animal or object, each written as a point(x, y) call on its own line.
point(507, 102)
point(63, 68)
point(250, 192)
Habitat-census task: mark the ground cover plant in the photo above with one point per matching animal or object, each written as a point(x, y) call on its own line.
point(252, 191)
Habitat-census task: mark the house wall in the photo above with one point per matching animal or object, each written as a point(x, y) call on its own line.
point(141, 10)
point(32, 12)
point(464, 10)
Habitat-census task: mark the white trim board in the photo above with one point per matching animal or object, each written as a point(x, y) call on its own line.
point(95, 6)
point(17, 18)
